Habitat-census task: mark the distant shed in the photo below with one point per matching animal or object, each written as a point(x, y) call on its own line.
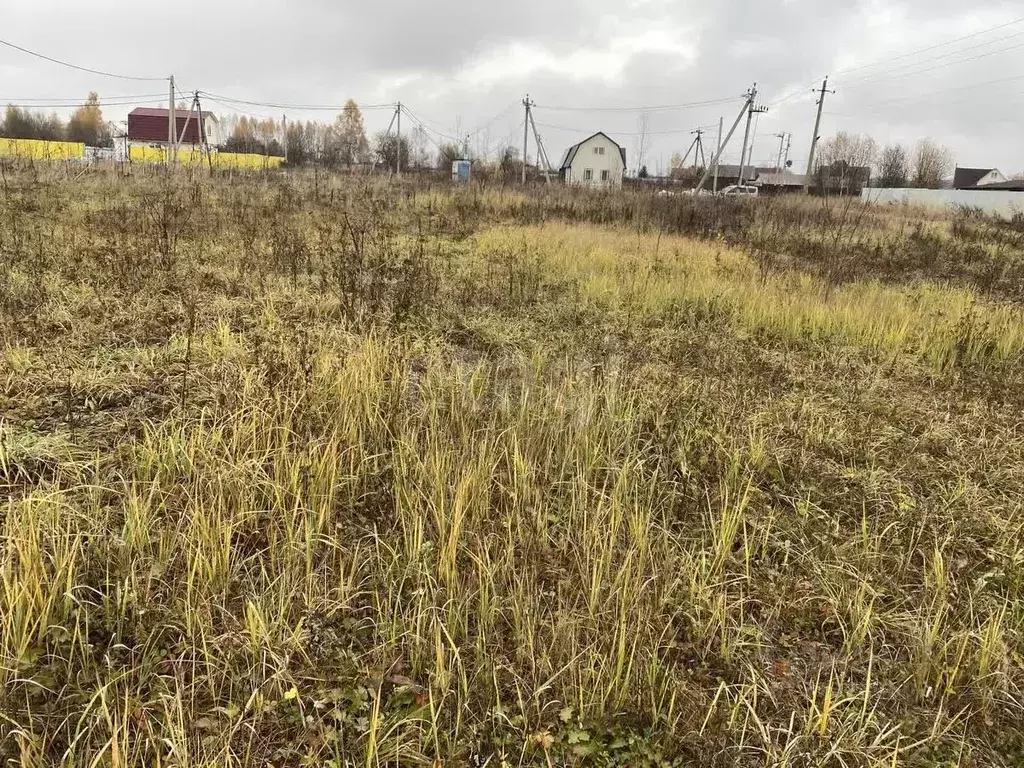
point(150, 125)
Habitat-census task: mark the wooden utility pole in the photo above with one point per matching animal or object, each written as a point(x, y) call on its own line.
point(398, 143)
point(782, 141)
point(751, 111)
point(202, 133)
point(698, 145)
point(526, 131)
point(723, 144)
point(542, 154)
point(718, 152)
point(172, 123)
point(814, 137)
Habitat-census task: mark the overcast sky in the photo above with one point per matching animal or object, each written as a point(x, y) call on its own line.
point(464, 67)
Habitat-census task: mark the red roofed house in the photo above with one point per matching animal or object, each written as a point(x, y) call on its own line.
point(148, 125)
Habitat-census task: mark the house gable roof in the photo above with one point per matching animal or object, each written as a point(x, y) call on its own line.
point(732, 171)
point(162, 112)
point(570, 153)
point(969, 177)
point(1013, 185)
point(784, 179)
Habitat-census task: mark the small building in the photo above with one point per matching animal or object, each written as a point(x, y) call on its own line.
point(594, 162)
point(150, 125)
point(460, 171)
point(841, 178)
point(774, 183)
point(972, 178)
point(729, 174)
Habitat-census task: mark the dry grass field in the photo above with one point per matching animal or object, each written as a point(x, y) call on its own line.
point(308, 471)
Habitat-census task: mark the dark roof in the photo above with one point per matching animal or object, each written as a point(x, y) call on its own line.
point(774, 179)
point(162, 112)
point(570, 153)
point(1013, 185)
point(969, 177)
point(151, 124)
point(732, 171)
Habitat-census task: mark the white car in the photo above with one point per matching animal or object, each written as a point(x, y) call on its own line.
point(735, 190)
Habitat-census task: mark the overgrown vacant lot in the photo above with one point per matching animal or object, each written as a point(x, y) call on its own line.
point(304, 471)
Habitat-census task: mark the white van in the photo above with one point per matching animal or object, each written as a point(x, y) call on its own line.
point(735, 190)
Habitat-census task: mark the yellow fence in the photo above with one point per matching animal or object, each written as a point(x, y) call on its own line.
point(37, 149)
point(188, 156)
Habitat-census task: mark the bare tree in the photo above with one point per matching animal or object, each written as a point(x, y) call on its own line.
point(642, 130)
point(894, 166)
point(932, 163)
point(844, 162)
point(349, 136)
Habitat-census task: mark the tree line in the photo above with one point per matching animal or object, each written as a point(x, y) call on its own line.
point(340, 143)
point(86, 124)
point(845, 159)
point(343, 143)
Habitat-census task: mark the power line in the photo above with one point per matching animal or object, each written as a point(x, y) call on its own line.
point(793, 94)
point(929, 48)
point(76, 66)
point(494, 119)
point(427, 131)
point(654, 108)
point(873, 107)
point(883, 76)
point(76, 102)
point(590, 131)
point(101, 105)
point(247, 113)
point(300, 107)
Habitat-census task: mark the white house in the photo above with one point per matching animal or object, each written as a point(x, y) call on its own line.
point(971, 178)
point(594, 162)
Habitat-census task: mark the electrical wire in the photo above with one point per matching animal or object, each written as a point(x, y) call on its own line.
point(75, 102)
point(493, 120)
point(247, 113)
point(904, 100)
point(882, 77)
point(101, 104)
point(929, 48)
point(792, 95)
point(887, 109)
point(655, 108)
point(590, 131)
point(301, 107)
point(422, 124)
point(78, 67)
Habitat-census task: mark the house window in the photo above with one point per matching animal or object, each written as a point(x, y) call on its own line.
point(588, 174)
point(600, 150)
point(606, 175)
point(595, 150)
